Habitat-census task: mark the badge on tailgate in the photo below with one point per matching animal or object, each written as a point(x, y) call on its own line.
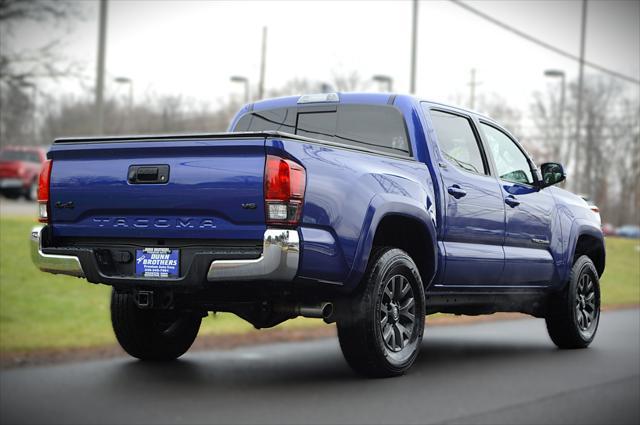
point(158, 262)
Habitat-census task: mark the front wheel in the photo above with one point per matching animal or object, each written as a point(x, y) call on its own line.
point(574, 313)
point(158, 335)
point(382, 334)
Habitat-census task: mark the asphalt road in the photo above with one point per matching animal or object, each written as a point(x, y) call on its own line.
point(498, 372)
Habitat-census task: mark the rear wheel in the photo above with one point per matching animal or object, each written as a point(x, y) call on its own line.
point(574, 313)
point(152, 334)
point(382, 333)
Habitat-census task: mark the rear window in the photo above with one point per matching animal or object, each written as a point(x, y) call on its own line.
point(369, 126)
point(11, 155)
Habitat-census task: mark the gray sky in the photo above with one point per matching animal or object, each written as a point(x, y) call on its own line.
point(192, 47)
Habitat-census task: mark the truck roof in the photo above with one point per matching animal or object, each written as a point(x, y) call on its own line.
point(353, 97)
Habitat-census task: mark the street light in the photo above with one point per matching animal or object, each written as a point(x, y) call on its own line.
point(384, 79)
point(126, 80)
point(556, 73)
point(245, 81)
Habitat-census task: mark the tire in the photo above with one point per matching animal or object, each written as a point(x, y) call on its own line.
point(574, 313)
point(371, 336)
point(31, 194)
point(155, 335)
point(11, 194)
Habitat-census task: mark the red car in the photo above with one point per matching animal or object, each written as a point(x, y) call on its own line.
point(19, 170)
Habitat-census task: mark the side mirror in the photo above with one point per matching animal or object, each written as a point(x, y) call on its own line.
point(552, 173)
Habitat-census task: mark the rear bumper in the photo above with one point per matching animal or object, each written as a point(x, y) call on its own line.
point(278, 262)
point(53, 263)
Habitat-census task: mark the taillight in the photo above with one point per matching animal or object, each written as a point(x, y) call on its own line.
point(284, 183)
point(43, 191)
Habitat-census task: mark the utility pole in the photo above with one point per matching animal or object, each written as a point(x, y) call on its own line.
point(263, 63)
point(102, 36)
point(472, 89)
point(414, 42)
point(580, 183)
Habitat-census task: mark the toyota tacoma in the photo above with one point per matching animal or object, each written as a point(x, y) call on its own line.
point(367, 210)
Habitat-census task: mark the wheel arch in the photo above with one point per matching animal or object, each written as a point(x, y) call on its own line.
point(588, 241)
point(401, 223)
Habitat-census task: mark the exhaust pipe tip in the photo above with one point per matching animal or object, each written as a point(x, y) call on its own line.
point(327, 311)
point(318, 311)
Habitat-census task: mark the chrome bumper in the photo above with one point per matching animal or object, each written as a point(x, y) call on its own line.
point(279, 260)
point(57, 264)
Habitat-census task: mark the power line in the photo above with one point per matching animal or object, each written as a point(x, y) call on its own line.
point(543, 43)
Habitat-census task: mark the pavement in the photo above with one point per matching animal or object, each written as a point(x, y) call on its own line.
point(18, 207)
point(493, 372)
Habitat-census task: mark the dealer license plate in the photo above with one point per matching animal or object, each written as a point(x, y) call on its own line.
point(161, 263)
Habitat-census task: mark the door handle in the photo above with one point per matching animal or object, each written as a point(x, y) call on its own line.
point(511, 201)
point(456, 191)
point(148, 174)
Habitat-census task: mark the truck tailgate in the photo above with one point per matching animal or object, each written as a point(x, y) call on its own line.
point(213, 188)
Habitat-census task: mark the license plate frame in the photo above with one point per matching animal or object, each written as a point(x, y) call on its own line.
point(158, 263)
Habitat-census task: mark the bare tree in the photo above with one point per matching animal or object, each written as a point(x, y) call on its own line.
point(165, 114)
point(21, 69)
point(350, 81)
point(496, 107)
point(545, 112)
point(605, 164)
point(625, 202)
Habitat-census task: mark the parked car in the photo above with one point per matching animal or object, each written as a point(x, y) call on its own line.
point(368, 210)
point(608, 229)
point(629, 231)
point(19, 168)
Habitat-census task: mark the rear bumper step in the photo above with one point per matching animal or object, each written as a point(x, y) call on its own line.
point(278, 262)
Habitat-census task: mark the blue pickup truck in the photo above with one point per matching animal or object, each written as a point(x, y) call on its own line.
point(367, 210)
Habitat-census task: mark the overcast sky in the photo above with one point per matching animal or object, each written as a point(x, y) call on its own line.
point(193, 47)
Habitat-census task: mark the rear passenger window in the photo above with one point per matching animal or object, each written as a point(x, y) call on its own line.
point(457, 141)
point(381, 127)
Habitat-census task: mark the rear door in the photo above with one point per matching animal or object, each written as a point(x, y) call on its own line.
point(212, 188)
point(473, 204)
point(529, 212)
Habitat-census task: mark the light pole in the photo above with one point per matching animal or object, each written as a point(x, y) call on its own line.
point(102, 42)
point(245, 81)
point(414, 42)
point(587, 167)
point(263, 64)
point(556, 73)
point(384, 79)
point(129, 81)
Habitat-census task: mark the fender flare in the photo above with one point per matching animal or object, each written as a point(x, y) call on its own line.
point(579, 228)
point(381, 206)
